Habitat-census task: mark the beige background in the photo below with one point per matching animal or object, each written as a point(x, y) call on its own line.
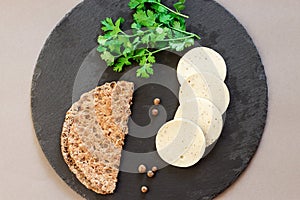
point(274, 173)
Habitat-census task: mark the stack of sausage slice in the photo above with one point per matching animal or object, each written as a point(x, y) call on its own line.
point(203, 98)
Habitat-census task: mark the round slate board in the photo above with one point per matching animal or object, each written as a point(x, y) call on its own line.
point(74, 39)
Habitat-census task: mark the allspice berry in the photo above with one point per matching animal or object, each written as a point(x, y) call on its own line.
point(150, 174)
point(154, 112)
point(154, 169)
point(156, 101)
point(142, 169)
point(144, 189)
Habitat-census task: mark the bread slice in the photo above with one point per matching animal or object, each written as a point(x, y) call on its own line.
point(93, 135)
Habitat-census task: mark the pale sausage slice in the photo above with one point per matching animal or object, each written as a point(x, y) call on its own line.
point(201, 59)
point(208, 86)
point(205, 114)
point(180, 143)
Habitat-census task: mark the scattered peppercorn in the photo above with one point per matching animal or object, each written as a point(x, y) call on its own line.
point(142, 169)
point(154, 112)
point(156, 101)
point(150, 174)
point(154, 169)
point(144, 189)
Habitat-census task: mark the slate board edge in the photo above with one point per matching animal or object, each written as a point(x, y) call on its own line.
point(266, 106)
point(35, 78)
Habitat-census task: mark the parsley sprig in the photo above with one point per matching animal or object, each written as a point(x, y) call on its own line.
point(155, 26)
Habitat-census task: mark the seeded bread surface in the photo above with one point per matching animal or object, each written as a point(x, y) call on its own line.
point(93, 135)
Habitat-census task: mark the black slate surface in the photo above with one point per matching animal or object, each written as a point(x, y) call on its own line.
point(75, 37)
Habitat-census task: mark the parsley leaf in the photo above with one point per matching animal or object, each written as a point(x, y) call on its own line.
point(155, 37)
point(102, 40)
point(114, 46)
point(154, 26)
point(145, 71)
point(159, 8)
point(134, 3)
point(177, 45)
point(189, 42)
point(179, 6)
point(135, 26)
point(151, 59)
point(146, 39)
point(145, 18)
point(110, 28)
point(120, 64)
point(101, 49)
point(108, 58)
point(165, 19)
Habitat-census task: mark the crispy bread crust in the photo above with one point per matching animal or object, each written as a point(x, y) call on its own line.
point(93, 135)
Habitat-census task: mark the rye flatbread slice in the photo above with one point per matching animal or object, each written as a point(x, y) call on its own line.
point(93, 135)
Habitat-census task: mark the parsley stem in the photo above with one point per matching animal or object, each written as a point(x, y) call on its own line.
point(127, 35)
point(162, 49)
point(137, 34)
point(174, 39)
point(123, 32)
point(169, 9)
point(152, 52)
point(192, 34)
